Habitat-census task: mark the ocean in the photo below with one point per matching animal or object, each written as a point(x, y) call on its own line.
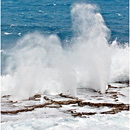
point(64, 44)
point(53, 17)
point(63, 60)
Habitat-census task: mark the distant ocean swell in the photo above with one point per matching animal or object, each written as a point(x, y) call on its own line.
point(39, 64)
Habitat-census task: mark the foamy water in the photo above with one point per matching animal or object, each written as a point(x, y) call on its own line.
point(120, 62)
point(97, 122)
point(39, 64)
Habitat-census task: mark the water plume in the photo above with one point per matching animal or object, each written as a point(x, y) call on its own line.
point(91, 46)
point(38, 64)
point(120, 62)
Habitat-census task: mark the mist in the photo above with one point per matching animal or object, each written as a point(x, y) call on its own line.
point(38, 64)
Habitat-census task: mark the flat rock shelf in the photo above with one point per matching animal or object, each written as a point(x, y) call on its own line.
point(87, 102)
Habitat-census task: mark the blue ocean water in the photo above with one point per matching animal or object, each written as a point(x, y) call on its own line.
point(78, 55)
point(53, 17)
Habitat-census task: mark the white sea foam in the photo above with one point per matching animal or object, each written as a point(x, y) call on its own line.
point(96, 122)
point(6, 33)
point(39, 64)
point(91, 53)
point(120, 62)
point(11, 25)
point(19, 34)
point(118, 14)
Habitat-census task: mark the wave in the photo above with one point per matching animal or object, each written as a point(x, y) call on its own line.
point(6, 33)
point(120, 62)
point(39, 64)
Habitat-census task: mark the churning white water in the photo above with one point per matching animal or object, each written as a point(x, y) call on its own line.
point(91, 50)
point(120, 62)
point(39, 63)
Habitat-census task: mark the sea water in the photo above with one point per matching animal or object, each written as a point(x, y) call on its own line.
point(98, 122)
point(53, 47)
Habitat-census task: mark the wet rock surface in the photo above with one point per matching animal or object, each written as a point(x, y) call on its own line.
point(87, 102)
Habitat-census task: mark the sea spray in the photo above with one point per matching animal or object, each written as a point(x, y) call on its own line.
point(120, 62)
point(90, 47)
point(39, 63)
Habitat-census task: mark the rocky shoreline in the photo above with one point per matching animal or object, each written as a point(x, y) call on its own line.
point(87, 102)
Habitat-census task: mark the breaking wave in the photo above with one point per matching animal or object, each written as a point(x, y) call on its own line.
point(39, 64)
